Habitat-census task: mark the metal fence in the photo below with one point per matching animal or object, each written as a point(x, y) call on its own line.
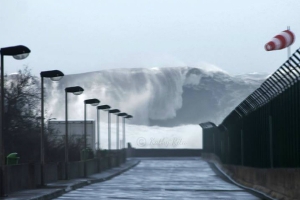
point(263, 130)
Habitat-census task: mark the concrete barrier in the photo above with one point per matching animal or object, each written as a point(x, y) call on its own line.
point(282, 183)
point(91, 166)
point(133, 152)
point(279, 183)
point(76, 169)
point(18, 177)
point(28, 176)
point(51, 174)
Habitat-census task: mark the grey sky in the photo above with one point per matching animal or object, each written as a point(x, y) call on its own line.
point(80, 36)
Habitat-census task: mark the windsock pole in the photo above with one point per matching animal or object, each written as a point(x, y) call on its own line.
point(289, 48)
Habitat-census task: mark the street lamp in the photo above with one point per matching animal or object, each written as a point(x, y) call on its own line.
point(117, 130)
point(76, 90)
point(17, 52)
point(102, 107)
point(118, 135)
point(54, 75)
point(109, 135)
point(93, 102)
point(124, 135)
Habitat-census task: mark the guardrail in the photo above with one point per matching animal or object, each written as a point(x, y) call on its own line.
point(264, 129)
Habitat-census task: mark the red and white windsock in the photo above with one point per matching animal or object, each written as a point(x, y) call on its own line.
point(281, 41)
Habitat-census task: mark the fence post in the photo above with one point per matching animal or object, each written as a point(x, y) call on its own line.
point(31, 172)
point(214, 143)
point(228, 156)
point(271, 141)
point(242, 148)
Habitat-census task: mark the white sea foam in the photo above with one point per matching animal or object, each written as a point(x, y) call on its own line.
point(140, 136)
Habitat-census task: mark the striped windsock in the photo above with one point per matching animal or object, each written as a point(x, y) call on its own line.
point(281, 41)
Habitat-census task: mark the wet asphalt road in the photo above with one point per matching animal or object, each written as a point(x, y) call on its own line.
point(164, 179)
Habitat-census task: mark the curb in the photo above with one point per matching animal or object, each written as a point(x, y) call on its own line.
point(114, 175)
point(75, 186)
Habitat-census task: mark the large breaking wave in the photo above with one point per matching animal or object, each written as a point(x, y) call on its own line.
point(144, 93)
point(154, 96)
point(167, 103)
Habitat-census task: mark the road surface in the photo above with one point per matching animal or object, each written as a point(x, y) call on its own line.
point(163, 178)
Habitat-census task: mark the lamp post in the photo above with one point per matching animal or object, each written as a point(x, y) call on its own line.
point(76, 90)
point(124, 134)
point(18, 52)
point(102, 107)
point(93, 102)
point(116, 111)
point(118, 135)
point(109, 127)
point(54, 75)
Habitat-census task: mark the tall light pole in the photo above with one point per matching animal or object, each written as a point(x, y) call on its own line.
point(93, 102)
point(117, 128)
point(118, 135)
point(54, 75)
point(102, 107)
point(76, 90)
point(18, 52)
point(109, 123)
point(124, 134)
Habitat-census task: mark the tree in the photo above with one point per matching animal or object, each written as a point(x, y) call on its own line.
point(22, 126)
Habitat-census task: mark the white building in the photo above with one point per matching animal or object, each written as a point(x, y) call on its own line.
point(75, 129)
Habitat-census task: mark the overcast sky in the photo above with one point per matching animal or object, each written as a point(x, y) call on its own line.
point(90, 35)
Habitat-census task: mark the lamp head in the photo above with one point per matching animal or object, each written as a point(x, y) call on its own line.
point(114, 111)
point(207, 125)
point(93, 102)
point(18, 52)
point(54, 75)
point(77, 90)
point(103, 107)
point(122, 114)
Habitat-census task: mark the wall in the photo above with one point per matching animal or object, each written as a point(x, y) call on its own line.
point(28, 176)
point(164, 152)
point(279, 183)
